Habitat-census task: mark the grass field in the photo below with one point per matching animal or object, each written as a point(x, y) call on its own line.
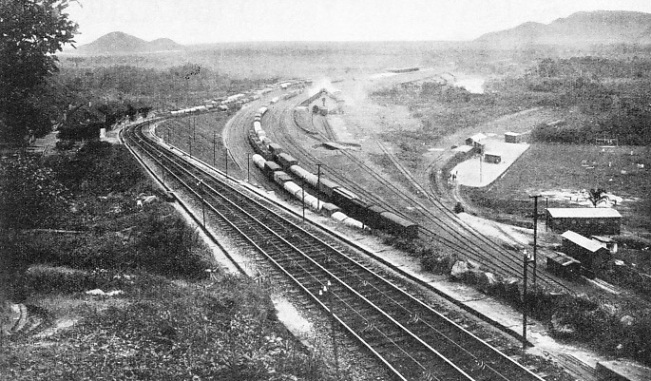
point(560, 172)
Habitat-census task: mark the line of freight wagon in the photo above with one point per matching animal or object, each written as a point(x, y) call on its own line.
point(276, 160)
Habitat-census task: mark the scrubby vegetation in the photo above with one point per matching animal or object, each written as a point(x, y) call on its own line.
point(609, 94)
point(169, 318)
point(620, 330)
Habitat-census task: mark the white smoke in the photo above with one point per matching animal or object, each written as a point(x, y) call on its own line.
point(323, 83)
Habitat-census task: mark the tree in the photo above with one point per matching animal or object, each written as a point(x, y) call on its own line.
point(31, 30)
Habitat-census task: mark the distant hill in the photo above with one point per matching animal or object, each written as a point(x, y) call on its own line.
point(121, 43)
point(581, 28)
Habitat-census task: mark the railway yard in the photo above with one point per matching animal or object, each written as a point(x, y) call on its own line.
point(416, 325)
point(325, 191)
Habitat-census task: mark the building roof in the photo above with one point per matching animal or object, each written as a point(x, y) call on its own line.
point(512, 133)
point(582, 241)
point(583, 213)
point(478, 137)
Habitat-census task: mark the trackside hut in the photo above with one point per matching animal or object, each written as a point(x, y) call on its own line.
point(590, 253)
point(587, 221)
point(476, 141)
point(492, 157)
point(512, 137)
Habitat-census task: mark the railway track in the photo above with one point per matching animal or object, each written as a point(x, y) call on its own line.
point(448, 229)
point(409, 337)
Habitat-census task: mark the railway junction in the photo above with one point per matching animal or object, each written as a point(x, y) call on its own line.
point(370, 297)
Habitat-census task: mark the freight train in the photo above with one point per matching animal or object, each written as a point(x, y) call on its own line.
point(277, 160)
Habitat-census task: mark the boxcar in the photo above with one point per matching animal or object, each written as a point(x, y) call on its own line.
point(270, 167)
point(357, 209)
point(374, 217)
point(327, 186)
point(286, 160)
point(330, 209)
point(563, 265)
point(275, 148)
point(343, 197)
point(281, 177)
point(397, 225)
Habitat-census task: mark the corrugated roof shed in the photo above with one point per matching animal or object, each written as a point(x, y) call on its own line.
point(512, 134)
point(582, 241)
point(583, 213)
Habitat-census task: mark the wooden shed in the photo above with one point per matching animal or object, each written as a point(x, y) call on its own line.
point(476, 140)
point(586, 221)
point(492, 157)
point(512, 137)
point(590, 253)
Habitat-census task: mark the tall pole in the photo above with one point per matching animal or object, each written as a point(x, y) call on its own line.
point(525, 261)
point(480, 168)
point(214, 148)
point(203, 205)
point(318, 184)
point(190, 143)
point(248, 167)
point(303, 190)
point(535, 235)
point(330, 305)
point(226, 155)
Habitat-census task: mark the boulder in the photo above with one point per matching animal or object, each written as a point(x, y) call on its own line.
point(487, 282)
point(458, 270)
point(149, 199)
point(627, 320)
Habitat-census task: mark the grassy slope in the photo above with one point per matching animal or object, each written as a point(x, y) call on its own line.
point(171, 322)
point(550, 167)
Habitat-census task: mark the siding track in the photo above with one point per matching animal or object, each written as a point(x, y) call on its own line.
point(409, 337)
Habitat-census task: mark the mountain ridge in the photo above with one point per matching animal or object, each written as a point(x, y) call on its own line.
point(580, 28)
point(120, 42)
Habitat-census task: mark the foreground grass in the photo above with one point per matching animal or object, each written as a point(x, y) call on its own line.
point(171, 321)
point(162, 330)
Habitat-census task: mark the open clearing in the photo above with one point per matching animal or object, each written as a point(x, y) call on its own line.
point(561, 171)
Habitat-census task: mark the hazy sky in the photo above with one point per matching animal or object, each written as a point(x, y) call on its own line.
point(202, 21)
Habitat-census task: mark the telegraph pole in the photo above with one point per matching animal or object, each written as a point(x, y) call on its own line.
point(226, 155)
point(525, 260)
point(214, 148)
point(318, 184)
point(480, 168)
point(248, 167)
point(203, 204)
point(303, 190)
point(330, 304)
point(535, 234)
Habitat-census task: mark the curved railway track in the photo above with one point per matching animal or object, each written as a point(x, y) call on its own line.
point(409, 337)
point(449, 231)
